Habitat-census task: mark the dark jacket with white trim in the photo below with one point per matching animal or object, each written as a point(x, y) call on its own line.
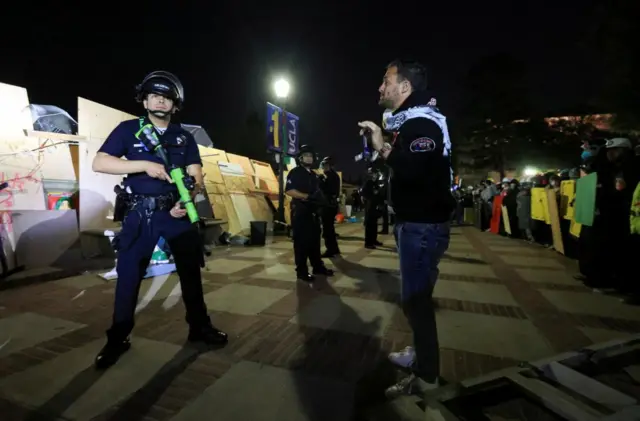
point(421, 163)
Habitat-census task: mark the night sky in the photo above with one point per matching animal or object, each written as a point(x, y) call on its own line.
point(333, 55)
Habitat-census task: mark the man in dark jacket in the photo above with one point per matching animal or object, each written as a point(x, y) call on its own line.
point(419, 158)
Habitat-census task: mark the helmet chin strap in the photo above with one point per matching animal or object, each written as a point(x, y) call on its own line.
point(159, 113)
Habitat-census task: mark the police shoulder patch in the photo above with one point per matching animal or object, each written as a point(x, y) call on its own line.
point(423, 144)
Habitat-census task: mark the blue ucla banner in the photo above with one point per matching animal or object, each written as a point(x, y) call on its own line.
point(276, 138)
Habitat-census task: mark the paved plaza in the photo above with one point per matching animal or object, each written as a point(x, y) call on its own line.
point(295, 353)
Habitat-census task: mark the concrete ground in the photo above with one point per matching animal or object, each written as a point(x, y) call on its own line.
point(295, 353)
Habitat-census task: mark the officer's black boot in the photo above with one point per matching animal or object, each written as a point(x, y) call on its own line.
point(305, 277)
point(323, 271)
point(117, 344)
point(111, 353)
point(208, 334)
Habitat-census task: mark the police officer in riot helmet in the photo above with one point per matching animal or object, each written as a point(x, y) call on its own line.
point(152, 209)
point(303, 186)
point(372, 201)
point(330, 186)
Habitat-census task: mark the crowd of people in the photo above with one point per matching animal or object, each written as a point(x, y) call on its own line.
point(606, 248)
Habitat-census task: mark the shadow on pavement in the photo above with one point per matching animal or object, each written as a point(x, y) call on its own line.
point(342, 360)
point(135, 407)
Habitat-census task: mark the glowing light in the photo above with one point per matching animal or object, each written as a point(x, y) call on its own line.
point(530, 171)
point(282, 88)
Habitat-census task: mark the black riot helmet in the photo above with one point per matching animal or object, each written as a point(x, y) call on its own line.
point(327, 160)
point(161, 83)
point(303, 150)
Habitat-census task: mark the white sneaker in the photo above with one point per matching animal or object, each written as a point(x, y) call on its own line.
point(403, 358)
point(411, 385)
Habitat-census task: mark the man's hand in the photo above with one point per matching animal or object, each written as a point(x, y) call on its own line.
point(177, 211)
point(376, 133)
point(155, 170)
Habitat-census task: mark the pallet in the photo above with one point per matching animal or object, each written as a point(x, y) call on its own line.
point(597, 383)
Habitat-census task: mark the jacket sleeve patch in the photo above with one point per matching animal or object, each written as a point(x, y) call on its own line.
point(423, 144)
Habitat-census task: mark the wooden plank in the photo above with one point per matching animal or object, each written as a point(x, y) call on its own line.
point(95, 122)
point(56, 136)
point(554, 219)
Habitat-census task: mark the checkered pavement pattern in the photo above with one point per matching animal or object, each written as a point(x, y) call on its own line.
point(293, 349)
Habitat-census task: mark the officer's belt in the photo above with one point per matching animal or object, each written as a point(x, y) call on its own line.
point(153, 203)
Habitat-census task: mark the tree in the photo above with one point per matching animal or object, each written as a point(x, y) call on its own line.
point(494, 114)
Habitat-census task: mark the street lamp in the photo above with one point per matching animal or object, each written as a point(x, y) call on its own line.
point(281, 88)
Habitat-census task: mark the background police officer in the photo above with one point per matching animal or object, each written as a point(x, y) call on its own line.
point(154, 210)
point(372, 201)
point(330, 186)
point(303, 186)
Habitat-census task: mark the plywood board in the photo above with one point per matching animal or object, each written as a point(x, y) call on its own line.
point(287, 208)
point(219, 209)
point(25, 191)
point(19, 164)
point(261, 210)
point(15, 115)
point(567, 199)
point(505, 220)
point(554, 218)
point(243, 211)
point(211, 173)
point(215, 188)
point(235, 226)
point(96, 121)
point(47, 238)
point(26, 162)
point(234, 178)
point(212, 154)
point(265, 178)
point(243, 161)
point(539, 205)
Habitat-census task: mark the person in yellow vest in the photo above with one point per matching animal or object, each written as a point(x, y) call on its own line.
point(634, 218)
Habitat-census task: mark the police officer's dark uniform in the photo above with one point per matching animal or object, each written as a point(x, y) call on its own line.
point(148, 217)
point(383, 207)
point(371, 213)
point(305, 218)
point(330, 186)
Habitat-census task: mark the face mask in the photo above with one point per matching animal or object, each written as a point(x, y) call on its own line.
point(585, 155)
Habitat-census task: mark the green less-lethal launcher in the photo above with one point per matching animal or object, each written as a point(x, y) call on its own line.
point(177, 175)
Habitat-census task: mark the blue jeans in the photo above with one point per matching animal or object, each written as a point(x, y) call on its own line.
point(420, 247)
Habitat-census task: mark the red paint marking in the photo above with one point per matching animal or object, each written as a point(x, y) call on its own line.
point(16, 185)
point(6, 219)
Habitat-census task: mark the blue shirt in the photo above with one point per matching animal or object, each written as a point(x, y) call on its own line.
point(181, 148)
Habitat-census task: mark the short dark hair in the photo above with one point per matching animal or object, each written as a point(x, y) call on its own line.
point(412, 71)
